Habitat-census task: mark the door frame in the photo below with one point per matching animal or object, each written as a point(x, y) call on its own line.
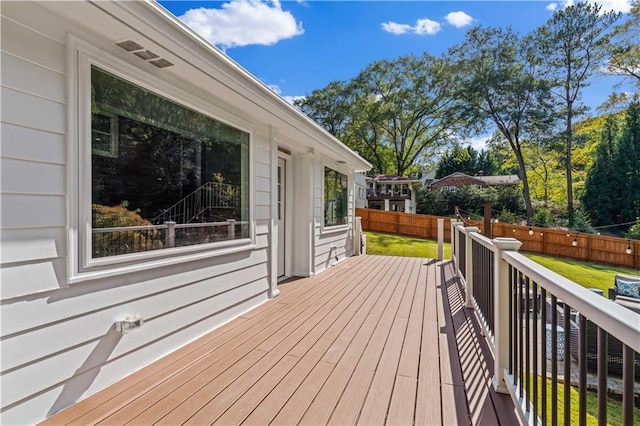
point(288, 216)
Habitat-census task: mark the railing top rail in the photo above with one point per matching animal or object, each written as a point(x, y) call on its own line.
point(486, 242)
point(128, 228)
point(617, 320)
point(165, 226)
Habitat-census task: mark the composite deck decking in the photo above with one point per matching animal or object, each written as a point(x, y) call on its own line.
point(374, 340)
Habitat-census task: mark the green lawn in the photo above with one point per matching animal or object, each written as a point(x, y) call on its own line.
point(614, 405)
point(590, 275)
point(396, 245)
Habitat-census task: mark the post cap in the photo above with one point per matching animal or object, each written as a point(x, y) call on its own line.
point(507, 244)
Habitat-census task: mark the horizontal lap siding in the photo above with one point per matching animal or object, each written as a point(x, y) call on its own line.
point(58, 341)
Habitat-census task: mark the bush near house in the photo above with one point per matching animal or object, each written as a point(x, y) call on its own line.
point(121, 242)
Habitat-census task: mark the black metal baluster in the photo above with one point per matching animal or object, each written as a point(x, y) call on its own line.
point(520, 334)
point(567, 364)
point(628, 361)
point(511, 323)
point(602, 376)
point(534, 300)
point(543, 340)
point(582, 371)
point(527, 342)
point(554, 360)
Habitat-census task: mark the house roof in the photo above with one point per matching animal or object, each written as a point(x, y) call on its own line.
point(499, 180)
point(488, 180)
point(392, 179)
point(207, 69)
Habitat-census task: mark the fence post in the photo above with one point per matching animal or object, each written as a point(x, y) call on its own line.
point(468, 259)
point(501, 310)
point(170, 236)
point(440, 239)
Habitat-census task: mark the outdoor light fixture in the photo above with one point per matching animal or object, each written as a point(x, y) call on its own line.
point(629, 248)
point(530, 231)
point(575, 241)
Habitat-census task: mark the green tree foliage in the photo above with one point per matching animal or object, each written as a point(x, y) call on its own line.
point(466, 160)
point(569, 48)
point(599, 195)
point(501, 90)
point(470, 199)
point(626, 169)
point(395, 113)
point(625, 49)
point(612, 190)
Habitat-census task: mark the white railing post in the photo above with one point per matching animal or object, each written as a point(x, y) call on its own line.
point(454, 247)
point(468, 266)
point(501, 310)
point(440, 239)
point(357, 236)
point(232, 229)
point(170, 236)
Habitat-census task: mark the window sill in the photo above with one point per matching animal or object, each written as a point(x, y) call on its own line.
point(132, 266)
point(334, 229)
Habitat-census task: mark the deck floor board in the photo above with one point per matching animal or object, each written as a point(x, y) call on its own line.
point(374, 340)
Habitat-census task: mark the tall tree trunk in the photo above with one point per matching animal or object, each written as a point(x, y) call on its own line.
point(525, 185)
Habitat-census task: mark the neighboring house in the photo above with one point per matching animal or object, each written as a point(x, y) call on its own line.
point(426, 177)
point(361, 190)
point(144, 173)
point(392, 193)
point(459, 180)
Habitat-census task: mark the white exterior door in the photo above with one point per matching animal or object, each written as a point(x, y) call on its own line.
point(282, 209)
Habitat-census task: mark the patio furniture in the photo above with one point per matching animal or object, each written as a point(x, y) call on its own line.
point(626, 292)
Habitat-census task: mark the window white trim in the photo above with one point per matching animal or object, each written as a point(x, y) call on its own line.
point(350, 204)
point(81, 266)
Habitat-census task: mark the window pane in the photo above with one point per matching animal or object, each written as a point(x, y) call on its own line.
point(335, 197)
point(169, 175)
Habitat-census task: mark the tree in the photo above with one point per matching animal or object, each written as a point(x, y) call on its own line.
point(626, 170)
point(599, 195)
point(395, 113)
point(466, 160)
point(625, 49)
point(570, 47)
point(501, 90)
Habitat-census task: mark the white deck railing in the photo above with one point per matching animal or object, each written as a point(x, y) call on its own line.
point(534, 318)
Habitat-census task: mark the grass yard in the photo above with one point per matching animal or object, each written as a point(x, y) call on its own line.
point(590, 275)
point(614, 405)
point(397, 245)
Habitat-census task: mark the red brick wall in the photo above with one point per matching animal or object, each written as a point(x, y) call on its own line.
point(457, 181)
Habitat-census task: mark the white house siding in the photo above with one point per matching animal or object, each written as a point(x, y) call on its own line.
point(58, 341)
point(332, 244)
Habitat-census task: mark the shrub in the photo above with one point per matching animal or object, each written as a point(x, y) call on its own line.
point(121, 242)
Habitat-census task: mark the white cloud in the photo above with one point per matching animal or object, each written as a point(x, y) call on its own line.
point(459, 19)
point(422, 26)
point(427, 26)
point(243, 22)
point(395, 28)
point(623, 6)
point(477, 142)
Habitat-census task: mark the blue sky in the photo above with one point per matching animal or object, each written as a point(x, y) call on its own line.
point(298, 46)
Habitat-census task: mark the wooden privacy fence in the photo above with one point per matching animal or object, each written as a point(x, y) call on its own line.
point(547, 241)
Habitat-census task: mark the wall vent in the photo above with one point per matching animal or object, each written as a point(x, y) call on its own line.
point(142, 53)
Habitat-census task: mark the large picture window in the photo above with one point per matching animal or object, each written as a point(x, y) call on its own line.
point(162, 175)
point(335, 197)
